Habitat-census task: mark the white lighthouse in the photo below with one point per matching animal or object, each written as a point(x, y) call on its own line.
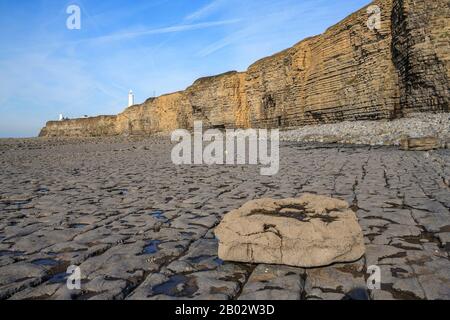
point(130, 98)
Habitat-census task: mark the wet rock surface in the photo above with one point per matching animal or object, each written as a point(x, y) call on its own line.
point(308, 231)
point(141, 228)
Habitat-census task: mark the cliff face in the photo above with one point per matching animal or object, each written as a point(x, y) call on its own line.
point(161, 114)
point(421, 53)
point(344, 74)
point(219, 101)
point(350, 72)
point(86, 127)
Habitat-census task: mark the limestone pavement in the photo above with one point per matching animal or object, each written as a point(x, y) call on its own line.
point(141, 228)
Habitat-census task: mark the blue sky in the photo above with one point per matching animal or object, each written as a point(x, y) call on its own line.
point(150, 46)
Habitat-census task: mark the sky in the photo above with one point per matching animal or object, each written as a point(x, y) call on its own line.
point(150, 46)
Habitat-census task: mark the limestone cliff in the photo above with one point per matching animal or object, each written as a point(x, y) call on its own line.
point(344, 74)
point(421, 53)
point(218, 100)
point(162, 114)
point(350, 72)
point(85, 127)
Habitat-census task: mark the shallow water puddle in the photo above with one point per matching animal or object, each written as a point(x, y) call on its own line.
point(158, 214)
point(152, 247)
point(198, 259)
point(59, 278)
point(177, 286)
point(42, 190)
point(58, 270)
point(78, 225)
point(45, 262)
point(10, 253)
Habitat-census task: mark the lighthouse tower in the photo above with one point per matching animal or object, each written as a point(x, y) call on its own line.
point(130, 98)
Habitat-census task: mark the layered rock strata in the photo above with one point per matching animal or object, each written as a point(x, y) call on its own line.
point(350, 72)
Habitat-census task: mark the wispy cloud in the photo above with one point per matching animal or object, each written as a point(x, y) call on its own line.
point(272, 17)
point(117, 36)
point(205, 11)
point(170, 29)
point(224, 42)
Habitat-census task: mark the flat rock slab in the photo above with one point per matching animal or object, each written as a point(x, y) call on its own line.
point(310, 231)
point(420, 144)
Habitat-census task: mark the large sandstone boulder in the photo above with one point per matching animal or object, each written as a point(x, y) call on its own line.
point(310, 231)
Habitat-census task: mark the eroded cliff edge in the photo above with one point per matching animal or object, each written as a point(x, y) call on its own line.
point(349, 72)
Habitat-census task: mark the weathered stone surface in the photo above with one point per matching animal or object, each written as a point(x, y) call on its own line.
point(124, 214)
point(350, 72)
point(309, 231)
point(420, 51)
point(272, 282)
point(420, 144)
point(337, 282)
